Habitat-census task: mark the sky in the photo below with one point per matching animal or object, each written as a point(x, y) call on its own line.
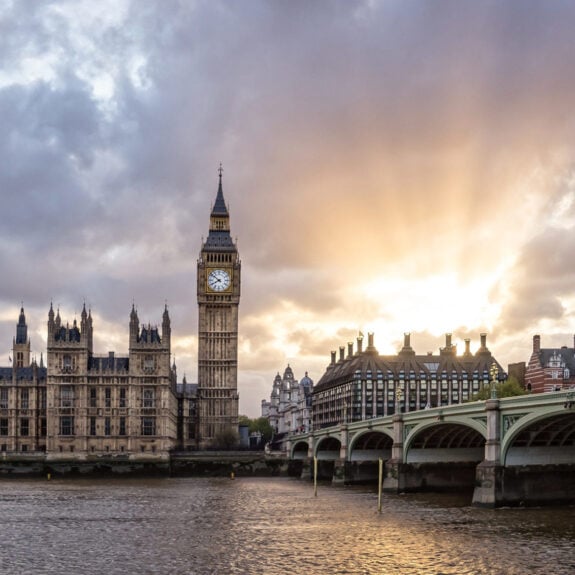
point(393, 166)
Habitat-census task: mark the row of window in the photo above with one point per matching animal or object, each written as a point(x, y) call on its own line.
point(24, 426)
point(67, 397)
point(359, 400)
point(24, 398)
point(67, 426)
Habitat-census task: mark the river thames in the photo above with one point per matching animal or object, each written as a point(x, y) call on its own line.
point(268, 526)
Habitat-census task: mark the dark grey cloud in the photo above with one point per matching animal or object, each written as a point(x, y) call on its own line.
point(355, 137)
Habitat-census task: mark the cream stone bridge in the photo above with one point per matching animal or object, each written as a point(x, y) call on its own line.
point(512, 451)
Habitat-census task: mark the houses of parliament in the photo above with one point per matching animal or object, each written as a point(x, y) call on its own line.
point(84, 406)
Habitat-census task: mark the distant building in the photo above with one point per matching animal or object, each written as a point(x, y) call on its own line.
point(550, 369)
point(364, 384)
point(22, 397)
point(289, 408)
point(104, 405)
point(85, 406)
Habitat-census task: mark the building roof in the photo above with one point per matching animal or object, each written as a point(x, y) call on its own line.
point(564, 354)
point(187, 389)
point(219, 240)
point(306, 381)
point(405, 362)
point(220, 208)
point(109, 362)
point(26, 373)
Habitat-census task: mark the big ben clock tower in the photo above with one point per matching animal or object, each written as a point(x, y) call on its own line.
point(218, 301)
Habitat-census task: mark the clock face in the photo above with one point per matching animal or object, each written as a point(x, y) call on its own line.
point(219, 280)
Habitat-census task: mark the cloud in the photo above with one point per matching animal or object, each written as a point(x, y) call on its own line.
point(361, 142)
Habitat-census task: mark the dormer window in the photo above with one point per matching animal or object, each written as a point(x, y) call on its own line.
point(555, 360)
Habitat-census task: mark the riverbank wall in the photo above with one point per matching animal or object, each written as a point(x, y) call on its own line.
point(188, 464)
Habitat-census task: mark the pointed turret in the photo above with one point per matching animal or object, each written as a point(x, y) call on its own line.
point(21, 328)
point(220, 209)
point(219, 235)
point(21, 343)
point(89, 331)
point(166, 329)
point(134, 324)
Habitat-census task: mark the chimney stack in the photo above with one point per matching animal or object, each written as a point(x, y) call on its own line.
point(448, 340)
point(483, 337)
point(467, 343)
point(406, 340)
point(350, 349)
point(536, 344)
point(360, 344)
point(333, 354)
point(341, 353)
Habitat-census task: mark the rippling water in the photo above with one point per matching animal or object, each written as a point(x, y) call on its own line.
point(268, 526)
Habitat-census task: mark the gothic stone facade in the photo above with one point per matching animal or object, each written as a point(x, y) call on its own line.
point(22, 398)
point(218, 293)
point(109, 405)
point(84, 406)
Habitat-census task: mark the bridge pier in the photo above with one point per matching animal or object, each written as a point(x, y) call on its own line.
point(393, 477)
point(340, 472)
point(306, 470)
point(488, 490)
point(358, 472)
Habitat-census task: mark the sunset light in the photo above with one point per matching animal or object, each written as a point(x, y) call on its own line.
point(388, 169)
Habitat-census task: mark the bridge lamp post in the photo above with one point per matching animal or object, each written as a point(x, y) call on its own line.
point(494, 372)
point(399, 397)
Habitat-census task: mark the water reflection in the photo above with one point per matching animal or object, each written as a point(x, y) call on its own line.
point(267, 526)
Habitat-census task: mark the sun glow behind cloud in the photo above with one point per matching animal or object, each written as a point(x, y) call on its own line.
point(437, 304)
point(390, 167)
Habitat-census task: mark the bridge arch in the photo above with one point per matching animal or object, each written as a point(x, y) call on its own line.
point(541, 439)
point(300, 450)
point(328, 449)
point(445, 441)
point(370, 446)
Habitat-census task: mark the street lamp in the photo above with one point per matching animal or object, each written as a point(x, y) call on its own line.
point(494, 372)
point(399, 397)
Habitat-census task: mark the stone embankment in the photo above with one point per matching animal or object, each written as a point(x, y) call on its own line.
point(184, 464)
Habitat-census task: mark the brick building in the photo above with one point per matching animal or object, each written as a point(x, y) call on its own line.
point(550, 369)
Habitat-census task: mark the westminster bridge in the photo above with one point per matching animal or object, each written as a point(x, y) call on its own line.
point(511, 451)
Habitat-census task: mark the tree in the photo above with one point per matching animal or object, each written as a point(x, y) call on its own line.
point(260, 424)
point(509, 388)
point(226, 439)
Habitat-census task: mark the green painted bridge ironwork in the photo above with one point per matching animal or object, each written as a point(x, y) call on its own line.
point(507, 448)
